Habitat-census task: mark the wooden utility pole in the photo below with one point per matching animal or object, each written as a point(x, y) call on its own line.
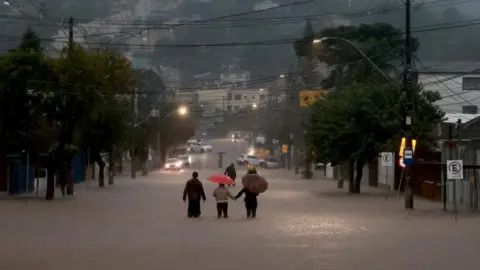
point(70, 35)
point(408, 94)
point(458, 157)
point(133, 167)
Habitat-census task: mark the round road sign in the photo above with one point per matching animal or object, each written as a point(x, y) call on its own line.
point(400, 162)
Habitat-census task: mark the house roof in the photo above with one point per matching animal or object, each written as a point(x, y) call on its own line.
point(466, 67)
point(453, 117)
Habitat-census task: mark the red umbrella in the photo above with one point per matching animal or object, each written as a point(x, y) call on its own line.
point(221, 179)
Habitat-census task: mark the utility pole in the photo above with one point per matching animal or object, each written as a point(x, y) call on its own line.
point(269, 123)
point(407, 89)
point(133, 167)
point(70, 35)
point(459, 142)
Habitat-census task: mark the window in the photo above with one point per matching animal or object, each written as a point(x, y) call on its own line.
point(229, 96)
point(238, 97)
point(470, 109)
point(252, 157)
point(229, 108)
point(262, 97)
point(471, 83)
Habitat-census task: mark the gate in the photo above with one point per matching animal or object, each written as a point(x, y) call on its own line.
point(466, 190)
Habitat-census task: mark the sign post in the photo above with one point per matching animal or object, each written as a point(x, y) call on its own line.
point(387, 161)
point(454, 173)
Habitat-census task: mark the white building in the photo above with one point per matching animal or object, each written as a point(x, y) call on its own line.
point(457, 82)
point(243, 98)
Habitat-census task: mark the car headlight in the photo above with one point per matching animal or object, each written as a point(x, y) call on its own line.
point(189, 159)
point(178, 164)
point(167, 165)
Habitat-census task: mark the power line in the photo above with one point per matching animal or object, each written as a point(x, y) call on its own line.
point(221, 23)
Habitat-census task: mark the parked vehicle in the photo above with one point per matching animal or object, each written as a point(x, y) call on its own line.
point(250, 159)
point(272, 163)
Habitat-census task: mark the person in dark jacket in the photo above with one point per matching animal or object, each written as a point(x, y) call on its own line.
point(194, 191)
point(251, 202)
point(230, 172)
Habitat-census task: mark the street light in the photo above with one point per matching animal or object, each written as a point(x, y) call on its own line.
point(182, 110)
point(320, 40)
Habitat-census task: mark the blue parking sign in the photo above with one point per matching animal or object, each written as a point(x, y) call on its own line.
point(408, 156)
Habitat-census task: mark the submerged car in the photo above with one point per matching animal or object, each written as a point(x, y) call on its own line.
point(174, 164)
point(272, 163)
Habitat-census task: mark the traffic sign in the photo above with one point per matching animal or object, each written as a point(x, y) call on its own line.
point(408, 156)
point(308, 97)
point(403, 143)
point(455, 169)
point(387, 159)
point(400, 162)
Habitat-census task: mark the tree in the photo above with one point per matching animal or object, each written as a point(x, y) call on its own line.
point(380, 42)
point(85, 87)
point(354, 124)
point(107, 123)
point(24, 73)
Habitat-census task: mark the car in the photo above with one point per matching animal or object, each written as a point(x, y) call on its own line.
point(242, 160)
point(200, 147)
point(174, 164)
point(272, 162)
point(251, 159)
point(182, 153)
point(187, 160)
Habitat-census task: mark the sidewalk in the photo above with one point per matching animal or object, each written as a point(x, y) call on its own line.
point(376, 199)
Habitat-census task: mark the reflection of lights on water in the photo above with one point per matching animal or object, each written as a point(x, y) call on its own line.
point(316, 225)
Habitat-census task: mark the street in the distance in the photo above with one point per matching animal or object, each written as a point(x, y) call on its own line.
point(301, 224)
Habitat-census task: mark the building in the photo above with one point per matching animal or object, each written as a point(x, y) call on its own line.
point(457, 82)
point(234, 77)
point(239, 98)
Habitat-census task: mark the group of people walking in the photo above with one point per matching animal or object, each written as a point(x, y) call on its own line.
point(195, 193)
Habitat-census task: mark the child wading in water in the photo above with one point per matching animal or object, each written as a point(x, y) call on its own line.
point(222, 194)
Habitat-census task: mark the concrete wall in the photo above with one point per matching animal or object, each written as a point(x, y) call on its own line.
point(386, 175)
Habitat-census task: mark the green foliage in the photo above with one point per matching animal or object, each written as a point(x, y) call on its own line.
point(70, 101)
point(362, 120)
point(381, 42)
point(30, 41)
